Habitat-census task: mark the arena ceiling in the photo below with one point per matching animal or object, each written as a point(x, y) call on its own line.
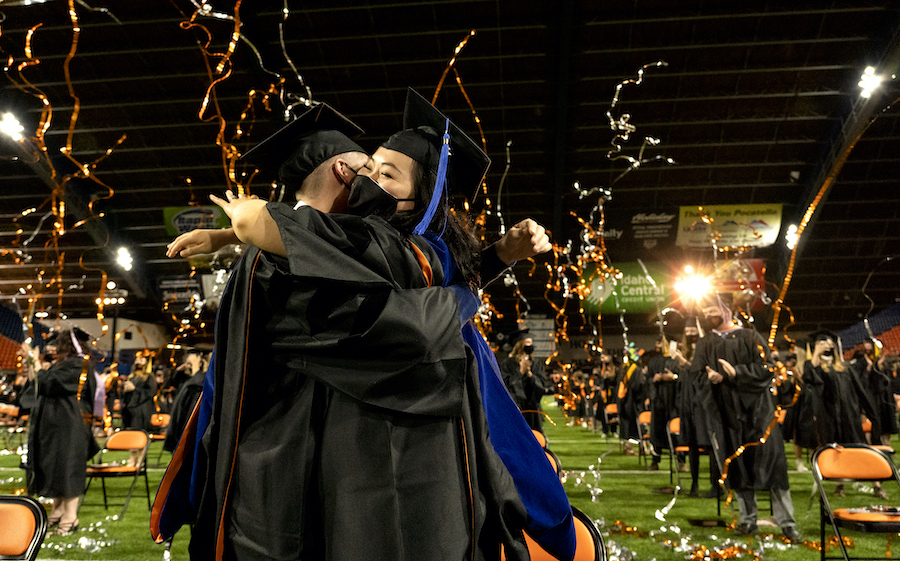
point(758, 103)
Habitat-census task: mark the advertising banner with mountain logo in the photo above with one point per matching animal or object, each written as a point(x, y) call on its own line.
point(734, 225)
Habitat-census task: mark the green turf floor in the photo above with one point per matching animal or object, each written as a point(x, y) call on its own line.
point(630, 505)
point(615, 489)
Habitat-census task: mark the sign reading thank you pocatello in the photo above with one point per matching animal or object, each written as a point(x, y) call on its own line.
point(753, 225)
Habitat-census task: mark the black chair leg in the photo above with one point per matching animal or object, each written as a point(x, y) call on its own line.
point(147, 487)
point(103, 484)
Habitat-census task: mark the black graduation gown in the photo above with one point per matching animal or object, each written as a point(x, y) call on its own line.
point(878, 386)
point(740, 410)
point(535, 389)
point(185, 400)
point(663, 400)
point(694, 424)
point(609, 390)
point(512, 379)
point(842, 400)
point(332, 437)
point(801, 418)
point(59, 441)
point(526, 391)
point(138, 404)
point(632, 403)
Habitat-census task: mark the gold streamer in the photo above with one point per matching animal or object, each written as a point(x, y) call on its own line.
point(450, 64)
point(807, 216)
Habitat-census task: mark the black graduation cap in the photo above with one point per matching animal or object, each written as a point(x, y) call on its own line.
point(518, 335)
point(423, 140)
point(822, 334)
point(81, 335)
point(672, 324)
point(300, 146)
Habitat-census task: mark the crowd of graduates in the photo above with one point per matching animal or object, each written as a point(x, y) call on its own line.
point(69, 406)
point(824, 395)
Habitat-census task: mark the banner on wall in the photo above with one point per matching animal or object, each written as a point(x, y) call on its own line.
point(181, 219)
point(754, 225)
point(639, 231)
point(639, 292)
point(179, 290)
point(634, 293)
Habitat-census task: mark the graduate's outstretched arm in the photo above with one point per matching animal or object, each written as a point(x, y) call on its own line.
point(201, 240)
point(251, 221)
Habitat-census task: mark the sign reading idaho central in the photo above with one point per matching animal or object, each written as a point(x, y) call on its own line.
point(636, 292)
point(181, 219)
point(736, 225)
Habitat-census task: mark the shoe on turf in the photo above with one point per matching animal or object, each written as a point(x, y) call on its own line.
point(793, 535)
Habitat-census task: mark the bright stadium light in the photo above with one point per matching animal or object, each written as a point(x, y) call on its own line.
point(869, 81)
point(11, 127)
point(791, 236)
point(123, 258)
point(693, 287)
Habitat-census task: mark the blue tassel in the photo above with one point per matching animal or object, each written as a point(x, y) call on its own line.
point(438, 195)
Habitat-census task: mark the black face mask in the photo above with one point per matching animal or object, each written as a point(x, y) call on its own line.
point(367, 198)
point(528, 349)
point(691, 338)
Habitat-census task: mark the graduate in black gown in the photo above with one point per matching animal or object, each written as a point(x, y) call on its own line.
point(524, 377)
point(373, 409)
point(869, 367)
point(138, 392)
point(840, 396)
point(732, 383)
point(59, 439)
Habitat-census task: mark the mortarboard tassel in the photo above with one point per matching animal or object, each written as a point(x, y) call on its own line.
point(439, 183)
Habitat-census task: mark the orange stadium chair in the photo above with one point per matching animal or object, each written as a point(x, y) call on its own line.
point(854, 462)
point(673, 430)
point(588, 542)
point(541, 438)
point(867, 428)
point(122, 441)
point(23, 529)
point(554, 461)
point(159, 422)
point(611, 415)
point(643, 426)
